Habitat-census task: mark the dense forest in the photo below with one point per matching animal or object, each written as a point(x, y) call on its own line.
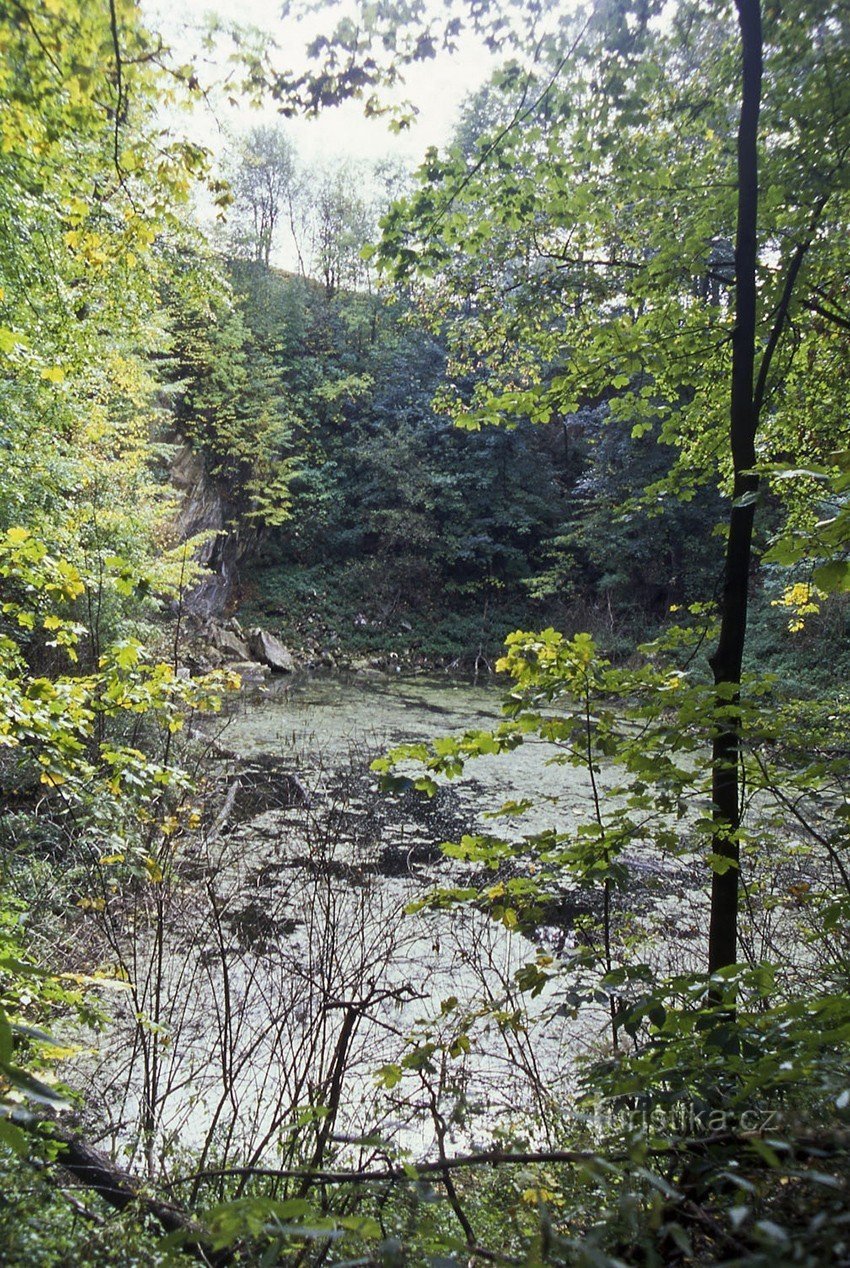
point(528, 477)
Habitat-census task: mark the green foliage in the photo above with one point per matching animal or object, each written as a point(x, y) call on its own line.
point(698, 1108)
point(62, 738)
point(277, 1227)
point(531, 242)
point(359, 607)
point(92, 187)
point(397, 519)
point(576, 278)
point(42, 1224)
point(228, 395)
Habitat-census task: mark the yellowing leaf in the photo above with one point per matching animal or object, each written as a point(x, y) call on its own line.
point(91, 904)
point(55, 1052)
point(53, 374)
point(9, 340)
point(154, 870)
point(541, 1196)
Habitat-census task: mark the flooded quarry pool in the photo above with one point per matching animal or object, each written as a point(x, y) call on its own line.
point(290, 1002)
point(327, 725)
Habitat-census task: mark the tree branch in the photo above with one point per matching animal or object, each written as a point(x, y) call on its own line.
point(835, 318)
point(118, 1188)
point(119, 88)
point(800, 252)
point(815, 1145)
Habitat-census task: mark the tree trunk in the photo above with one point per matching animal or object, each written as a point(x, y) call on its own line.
point(727, 660)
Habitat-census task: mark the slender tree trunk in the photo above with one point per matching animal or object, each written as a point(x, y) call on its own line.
point(727, 660)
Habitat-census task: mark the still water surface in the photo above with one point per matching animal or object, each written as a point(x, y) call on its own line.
point(295, 971)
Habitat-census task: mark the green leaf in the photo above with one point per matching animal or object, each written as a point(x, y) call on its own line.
point(389, 1076)
point(13, 1137)
point(361, 1225)
point(833, 576)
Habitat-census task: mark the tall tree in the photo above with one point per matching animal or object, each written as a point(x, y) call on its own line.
point(727, 660)
point(264, 188)
point(92, 211)
point(339, 218)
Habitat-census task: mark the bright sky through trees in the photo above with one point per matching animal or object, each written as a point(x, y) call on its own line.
point(436, 88)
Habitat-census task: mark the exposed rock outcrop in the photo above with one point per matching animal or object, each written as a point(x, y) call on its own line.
point(204, 508)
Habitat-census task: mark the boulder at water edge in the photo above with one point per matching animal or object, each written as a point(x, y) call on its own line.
point(270, 651)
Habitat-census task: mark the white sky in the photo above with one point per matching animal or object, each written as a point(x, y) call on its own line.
point(437, 88)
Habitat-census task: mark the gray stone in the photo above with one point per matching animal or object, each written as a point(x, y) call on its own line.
point(270, 651)
point(204, 509)
point(233, 647)
point(250, 671)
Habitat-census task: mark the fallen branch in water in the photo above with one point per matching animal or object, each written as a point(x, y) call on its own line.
point(225, 813)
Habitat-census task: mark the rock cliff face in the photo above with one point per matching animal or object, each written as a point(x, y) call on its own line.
point(203, 508)
point(215, 639)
